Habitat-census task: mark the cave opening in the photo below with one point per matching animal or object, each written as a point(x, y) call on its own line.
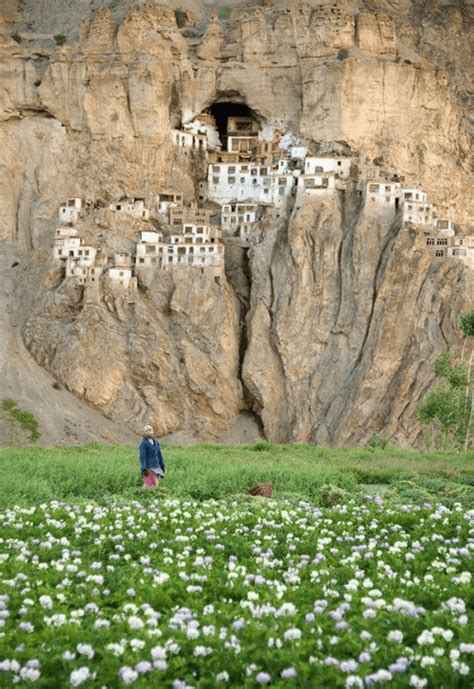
point(221, 113)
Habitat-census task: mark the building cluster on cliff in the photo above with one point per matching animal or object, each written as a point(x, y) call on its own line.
point(249, 176)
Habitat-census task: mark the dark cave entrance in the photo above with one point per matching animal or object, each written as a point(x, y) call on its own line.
point(222, 111)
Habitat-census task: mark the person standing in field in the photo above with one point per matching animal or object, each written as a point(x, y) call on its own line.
point(152, 464)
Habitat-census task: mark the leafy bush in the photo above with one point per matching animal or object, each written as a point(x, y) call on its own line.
point(16, 37)
point(26, 420)
point(448, 405)
point(60, 39)
point(343, 54)
point(377, 441)
point(467, 323)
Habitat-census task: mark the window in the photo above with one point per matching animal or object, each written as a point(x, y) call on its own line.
point(121, 273)
point(373, 188)
point(231, 180)
point(442, 242)
point(439, 253)
point(430, 242)
point(119, 208)
point(387, 199)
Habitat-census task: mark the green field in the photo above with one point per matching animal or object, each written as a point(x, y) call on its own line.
point(358, 574)
point(103, 473)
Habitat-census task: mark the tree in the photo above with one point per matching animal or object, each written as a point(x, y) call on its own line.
point(449, 406)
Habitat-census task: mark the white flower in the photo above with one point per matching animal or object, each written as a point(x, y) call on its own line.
point(29, 673)
point(128, 674)
point(395, 635)
point(354, 681)
point(85, 650)
point(222, 676)
point(137, 644)
point(79, 676)
point(426, 637)
point(417, 682)
point(144, 666)
point(288, 673)
point(67, 655)
point(46, 601)
point(263, 678)
point(348, 666)
point(426, 661)
point(466, 648)
point(202, 651)
point(292, 634)
point(135, 622)
point(116, 649)
point(158, 653)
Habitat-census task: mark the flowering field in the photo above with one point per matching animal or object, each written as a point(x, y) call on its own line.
point(241, 593)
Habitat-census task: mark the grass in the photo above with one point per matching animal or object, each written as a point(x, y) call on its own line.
point(103, 473)
point(24, 419)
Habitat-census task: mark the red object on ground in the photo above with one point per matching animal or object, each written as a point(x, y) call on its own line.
point(150, 479)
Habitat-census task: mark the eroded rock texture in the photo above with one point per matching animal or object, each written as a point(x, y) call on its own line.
point(327, 330)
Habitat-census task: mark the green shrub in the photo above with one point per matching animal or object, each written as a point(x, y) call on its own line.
point(343, 54)
point(467, 323)
point(377, 441)
point(261, 446)
point(16, 37)
point(448, 405)
point(23, 418)
point(60, 39)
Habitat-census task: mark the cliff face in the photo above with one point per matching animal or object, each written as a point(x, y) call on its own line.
point(327, 331)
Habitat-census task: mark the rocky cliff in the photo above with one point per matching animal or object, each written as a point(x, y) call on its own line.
point(325, 331)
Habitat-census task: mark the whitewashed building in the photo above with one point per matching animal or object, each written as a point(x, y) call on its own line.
point(187, 139)
point(66, 245)
point(298, 152)
point(205, 125)
point(234, 216)
point(320, 165)
point(122, 258)
point(166, 201)
point(86, 255)
point(149, 250)
point(461, 248)
point(120, 275)
point(445, 226)
point(71, 210)
point(83, 273)
point(233, 182)
point(416, 209)
point(132, 206)
point(383, 194)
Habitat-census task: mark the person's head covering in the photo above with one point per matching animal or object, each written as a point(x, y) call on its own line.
point(147, 427)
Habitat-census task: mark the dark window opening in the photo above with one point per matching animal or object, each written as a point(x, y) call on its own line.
point(222, 111)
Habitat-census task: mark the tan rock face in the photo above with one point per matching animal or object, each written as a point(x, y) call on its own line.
point(328, 329)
